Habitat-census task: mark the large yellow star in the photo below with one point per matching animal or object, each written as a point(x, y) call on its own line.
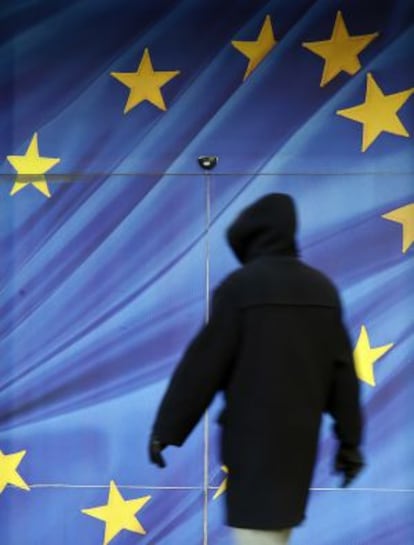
point(378, 113)
point(365, 356)
point(257, 50)
point(8, 470)
point(341, 51)
point(145, 83)
point(118, 514)
point(31, 168)
point(405, 216)
point(223, 487)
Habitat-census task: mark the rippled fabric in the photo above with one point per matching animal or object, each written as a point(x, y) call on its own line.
point(103, 284)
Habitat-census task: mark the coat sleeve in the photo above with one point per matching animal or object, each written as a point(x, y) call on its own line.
point(202, 372)
point(344, 403)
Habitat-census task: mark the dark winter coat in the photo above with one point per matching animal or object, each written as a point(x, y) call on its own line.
point(275, 344)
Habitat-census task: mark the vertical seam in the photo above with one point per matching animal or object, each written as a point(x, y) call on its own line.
point(207, 316)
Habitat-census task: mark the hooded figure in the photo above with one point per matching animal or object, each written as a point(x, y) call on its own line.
point(276, 346)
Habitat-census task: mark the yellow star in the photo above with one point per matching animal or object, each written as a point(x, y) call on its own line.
point(31, 168)
point(378, 113)
point(145, 83)
point(118, 514)
point(365, 356)
point(8, 470)
point(257, 50)
point(223, 487)
point(341, 51)
point(405, 216)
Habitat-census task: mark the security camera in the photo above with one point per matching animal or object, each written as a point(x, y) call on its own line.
point(207, 162)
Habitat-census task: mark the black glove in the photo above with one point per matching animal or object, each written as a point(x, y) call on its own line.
point(155, 448)
point(348, 461)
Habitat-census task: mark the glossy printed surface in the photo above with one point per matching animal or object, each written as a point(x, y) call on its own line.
point(112, 238)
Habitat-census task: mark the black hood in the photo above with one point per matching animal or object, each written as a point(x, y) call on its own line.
point(267, 227)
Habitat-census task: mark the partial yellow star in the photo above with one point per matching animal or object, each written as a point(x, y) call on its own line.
point(223, 487)
point(258, 49)
point(118, 514)
point(378, 113)
point(405, 216)
point(31, 168)
point(8, 470)
point(145, 83)
point(341, 51)
point(365, 356)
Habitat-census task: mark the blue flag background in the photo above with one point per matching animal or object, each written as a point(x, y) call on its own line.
point(104, 282)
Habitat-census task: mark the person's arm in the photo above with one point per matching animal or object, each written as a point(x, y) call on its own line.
point(202, 371)
point(344, 406)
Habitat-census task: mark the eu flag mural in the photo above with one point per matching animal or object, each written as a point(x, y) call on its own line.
point(112, 240)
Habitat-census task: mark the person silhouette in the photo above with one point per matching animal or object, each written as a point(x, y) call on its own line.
point(276, 345)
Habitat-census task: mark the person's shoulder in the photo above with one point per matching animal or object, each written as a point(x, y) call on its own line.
point(320, 280)
point(231, 281)
point(317, 273)
point(232, 285)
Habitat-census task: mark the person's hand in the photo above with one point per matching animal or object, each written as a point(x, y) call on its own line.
point(155, 449)
point(349, 462)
